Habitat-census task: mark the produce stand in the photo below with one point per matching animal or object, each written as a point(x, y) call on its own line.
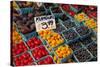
point(73, 40)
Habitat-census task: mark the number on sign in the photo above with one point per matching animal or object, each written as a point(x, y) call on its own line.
point(44, 25)
point(50, 22)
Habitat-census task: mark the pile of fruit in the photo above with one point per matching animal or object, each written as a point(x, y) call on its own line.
point(69, 24)
point(86, 41)
point(63, 51)
point(51, 37)
point(91, 11)
point(75, 45)
point(83, 55)
point(34, 42)
point(82, 30)
point(90, 23)
point(25, 23)
point(19, 48)
point(70, 34)
point(24, 59)
point(73, 40)
point(16, 37)
point(81, 17)
point(39, 52)
point(92, 48)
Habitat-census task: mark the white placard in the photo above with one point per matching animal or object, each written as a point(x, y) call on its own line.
point(44, 22)
point(39, 4)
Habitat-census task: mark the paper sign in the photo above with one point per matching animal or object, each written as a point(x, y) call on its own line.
point(39, 4)
point(45, 22)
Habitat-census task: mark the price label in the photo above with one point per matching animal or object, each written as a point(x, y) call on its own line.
point(45, 22)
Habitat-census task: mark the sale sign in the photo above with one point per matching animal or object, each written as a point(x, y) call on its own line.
point(45, 22)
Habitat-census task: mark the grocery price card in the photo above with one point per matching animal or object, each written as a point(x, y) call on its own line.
point(45, 22)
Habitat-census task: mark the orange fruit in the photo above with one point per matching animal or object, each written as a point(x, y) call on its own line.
point(64, 55)
point(60, 55)
point(19, 37)
point(52, 45)
point(49, 41)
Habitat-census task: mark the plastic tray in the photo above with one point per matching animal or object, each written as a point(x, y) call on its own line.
point(32, 41)
point(67, 32)
point(91, 22)
point(57, 44)
point(86, 41)
point(67, 57)
point(83, 56)
point(81, 32)
point(47, 43)
point(42, 56)
point(92, 47)
point(69, 24)
point(75, 45)
point(31, 62)
point(56, 14)
point(14, 47)
point(82, 20)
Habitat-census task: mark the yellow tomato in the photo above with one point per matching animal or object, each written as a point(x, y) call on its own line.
point(55, 58)
point(81, 17)
point(52, 45)
point(64, 55)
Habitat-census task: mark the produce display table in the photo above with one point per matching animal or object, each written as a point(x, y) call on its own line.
point(74, 39)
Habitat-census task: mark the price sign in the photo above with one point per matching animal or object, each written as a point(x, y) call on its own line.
point(39, 4)
point(45, 22)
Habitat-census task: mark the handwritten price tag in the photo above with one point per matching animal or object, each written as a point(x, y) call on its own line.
point(45, 22)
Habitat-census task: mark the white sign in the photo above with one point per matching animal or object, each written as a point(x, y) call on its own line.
point(39, 4)
point(45, 22)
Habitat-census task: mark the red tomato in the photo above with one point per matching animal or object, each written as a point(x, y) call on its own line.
point(72, 13)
